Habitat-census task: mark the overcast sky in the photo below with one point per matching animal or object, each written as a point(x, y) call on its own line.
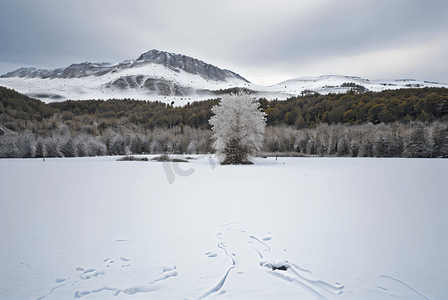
point(264, 41)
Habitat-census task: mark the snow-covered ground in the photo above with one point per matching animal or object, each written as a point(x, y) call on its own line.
point(295, 228)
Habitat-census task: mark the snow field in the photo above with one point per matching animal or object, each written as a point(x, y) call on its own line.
point(307, 228)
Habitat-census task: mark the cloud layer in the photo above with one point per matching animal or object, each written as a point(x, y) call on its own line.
point(264, 41)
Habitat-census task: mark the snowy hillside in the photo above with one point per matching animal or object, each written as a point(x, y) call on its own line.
point(341, 84)
point(168, 77)
point(296, 228)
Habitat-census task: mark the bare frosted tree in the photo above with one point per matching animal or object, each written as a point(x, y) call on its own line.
point(8, 147)
point(69, 148)
point(238, 128)
point(416, 141)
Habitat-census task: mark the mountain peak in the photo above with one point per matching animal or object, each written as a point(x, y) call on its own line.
point(188, 64)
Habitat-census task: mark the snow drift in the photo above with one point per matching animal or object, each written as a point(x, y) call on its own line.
point(96, 228)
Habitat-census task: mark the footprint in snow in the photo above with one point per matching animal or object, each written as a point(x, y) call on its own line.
point(88, 274)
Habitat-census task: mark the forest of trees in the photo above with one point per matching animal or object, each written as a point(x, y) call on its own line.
point(392, 123)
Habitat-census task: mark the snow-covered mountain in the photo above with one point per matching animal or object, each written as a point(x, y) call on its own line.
point(163, 76)
point(155, 75)
point(173, 62)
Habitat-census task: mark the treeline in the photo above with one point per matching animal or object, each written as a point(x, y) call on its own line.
point(60, 142)
point(399, 123)
point(404, 105)
point(19, 112)
point(413, 139)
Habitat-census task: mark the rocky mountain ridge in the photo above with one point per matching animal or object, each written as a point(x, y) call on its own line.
point(174, 62)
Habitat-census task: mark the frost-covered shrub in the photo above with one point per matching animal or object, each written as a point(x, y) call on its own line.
point(321, 145)
point(40, 149)
point(95, 148)
point(381, 144)
point(25, 144)
point(204, 143)
point(301, 141)
point(343, 146)
point(52, 148)
point(415, 142)
point(68, 148)
point(137, 144)
point(63, 131)
point(310, 146)
point(192, 149)
point(161, 143)
point(354, 148)
point(118, 146)
point(440, 137)
point(332, 144)
point(155, 147)
point(80, 148)
point(178, 145)
point(8, 148)
point(365, 149)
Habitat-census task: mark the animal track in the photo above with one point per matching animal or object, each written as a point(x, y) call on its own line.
point(392, 286)
point(218, 286)
point(231, 244)
point(224, 225)
point(91, 273)
point(282, 269)
point(167, 272)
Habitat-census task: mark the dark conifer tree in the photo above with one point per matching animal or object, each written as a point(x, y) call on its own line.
point(236, 154)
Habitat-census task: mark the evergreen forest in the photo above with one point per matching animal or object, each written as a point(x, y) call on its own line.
point(391, 123)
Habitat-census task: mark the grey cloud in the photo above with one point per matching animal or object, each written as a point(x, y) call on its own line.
point(347, 27)
point(273, 37)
